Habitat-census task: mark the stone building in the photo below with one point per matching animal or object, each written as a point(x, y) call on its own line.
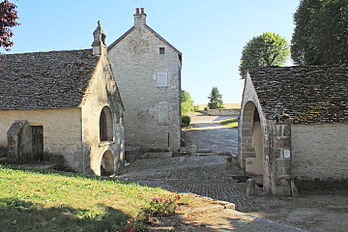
point(148, 73)
point(294, 125)
point(62, 104)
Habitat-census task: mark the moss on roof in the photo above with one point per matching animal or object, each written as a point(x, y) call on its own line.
point(45, 80)
point(305, 94)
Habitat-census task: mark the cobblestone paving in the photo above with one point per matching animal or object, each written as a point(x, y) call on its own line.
point(202, 175)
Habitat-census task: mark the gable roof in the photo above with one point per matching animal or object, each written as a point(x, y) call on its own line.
point(45, 80)
point(153, 32)
point(309, 94)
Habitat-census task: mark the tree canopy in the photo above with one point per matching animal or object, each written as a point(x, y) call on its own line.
point(8, 17)
point(186, 102)
point(321, 33)
point(268, 49)
point(215, 99)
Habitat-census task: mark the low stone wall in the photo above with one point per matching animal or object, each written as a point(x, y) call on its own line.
point(222, 112)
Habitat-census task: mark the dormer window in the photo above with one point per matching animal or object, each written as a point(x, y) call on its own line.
point(162, 50)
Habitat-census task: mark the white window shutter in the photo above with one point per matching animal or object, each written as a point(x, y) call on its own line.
point(162, 79)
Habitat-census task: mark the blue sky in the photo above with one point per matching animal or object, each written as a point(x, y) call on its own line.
point(210, 34)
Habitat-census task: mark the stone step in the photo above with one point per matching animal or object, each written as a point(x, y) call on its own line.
point(156, 155)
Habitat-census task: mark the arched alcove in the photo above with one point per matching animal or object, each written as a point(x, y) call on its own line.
point(107, 164)
point(105, 125)
point(252, 140)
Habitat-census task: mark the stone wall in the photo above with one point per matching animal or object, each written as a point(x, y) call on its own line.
point(102, 93)
point(152, 117)
point(276, 143)
point(222, 112)
point(320, 151)
point(61, 130)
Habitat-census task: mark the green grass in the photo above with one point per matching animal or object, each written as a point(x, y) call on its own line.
point(232, 122)
point(56, 201)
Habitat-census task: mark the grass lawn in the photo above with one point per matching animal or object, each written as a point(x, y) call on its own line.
point(232, 123)
point(32, 200)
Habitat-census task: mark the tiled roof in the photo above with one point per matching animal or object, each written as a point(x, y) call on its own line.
point(308, 94)
point(45, 80)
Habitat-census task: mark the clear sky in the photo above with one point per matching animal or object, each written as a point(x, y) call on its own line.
point(211, 34)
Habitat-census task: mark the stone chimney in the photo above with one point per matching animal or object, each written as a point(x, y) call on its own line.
point(139, 17)
point(99, 46)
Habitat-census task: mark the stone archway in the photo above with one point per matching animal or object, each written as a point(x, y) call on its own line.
point(252, 150)
point(107, 166)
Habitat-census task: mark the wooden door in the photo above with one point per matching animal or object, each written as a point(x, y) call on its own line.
point(37, 142)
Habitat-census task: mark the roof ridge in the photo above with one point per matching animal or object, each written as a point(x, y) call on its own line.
point(51, 51)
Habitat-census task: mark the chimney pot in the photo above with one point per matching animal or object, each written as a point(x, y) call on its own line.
point(137, 10)
point(142, 10)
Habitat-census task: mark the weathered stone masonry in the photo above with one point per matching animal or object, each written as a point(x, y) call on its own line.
point(70, 100)
point(148, 73)
point(303, 114)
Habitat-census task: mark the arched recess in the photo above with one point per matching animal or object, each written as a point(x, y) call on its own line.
point(252, 150)
point(107, 166)
point(105, 125)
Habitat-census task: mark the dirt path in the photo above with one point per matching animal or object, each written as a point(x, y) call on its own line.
point(206, 131)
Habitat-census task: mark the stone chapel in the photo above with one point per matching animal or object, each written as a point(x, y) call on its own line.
point(62, 104)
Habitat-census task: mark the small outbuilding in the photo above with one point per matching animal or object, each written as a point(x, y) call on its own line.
point(63, 104)
point(294, 125)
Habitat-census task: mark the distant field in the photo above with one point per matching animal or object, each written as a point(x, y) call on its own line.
point(226, 105)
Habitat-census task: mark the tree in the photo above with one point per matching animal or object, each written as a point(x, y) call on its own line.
point(186, 102)
point(8, 17)
point(215, 99)
point(268, 49)
point(321, 33)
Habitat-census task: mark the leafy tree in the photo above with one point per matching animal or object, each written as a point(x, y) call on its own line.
point(321, 33)
point(8, 17)
point(268, 49)
point(215, 99)
point(186, 102)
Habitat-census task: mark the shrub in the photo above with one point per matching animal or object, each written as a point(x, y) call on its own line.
point(130, 226)
point(165, 205)
point(185, 121)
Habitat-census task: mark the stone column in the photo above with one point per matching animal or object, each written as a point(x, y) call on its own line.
point(193, 150)
point(214, 149)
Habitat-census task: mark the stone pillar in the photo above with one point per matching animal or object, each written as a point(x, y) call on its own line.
point(250, 187)
point(193, 150)
point(278, 159)
point(214, 149)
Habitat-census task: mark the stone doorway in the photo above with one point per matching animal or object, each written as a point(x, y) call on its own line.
point(107, 164)
point(252, 150)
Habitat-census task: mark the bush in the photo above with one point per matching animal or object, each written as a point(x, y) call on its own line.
point(185, 121)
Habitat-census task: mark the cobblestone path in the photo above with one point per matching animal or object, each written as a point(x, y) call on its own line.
point(202, 175)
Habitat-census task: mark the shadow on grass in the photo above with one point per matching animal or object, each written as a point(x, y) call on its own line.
point(18, 215)
point(61, 173)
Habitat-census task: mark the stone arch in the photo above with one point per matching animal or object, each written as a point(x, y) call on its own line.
point(252, 140)
point(107, 166)
point(105, 125)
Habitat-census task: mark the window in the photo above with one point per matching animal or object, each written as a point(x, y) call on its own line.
point(105, 125)
point(162, 50)
point(162, 79)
